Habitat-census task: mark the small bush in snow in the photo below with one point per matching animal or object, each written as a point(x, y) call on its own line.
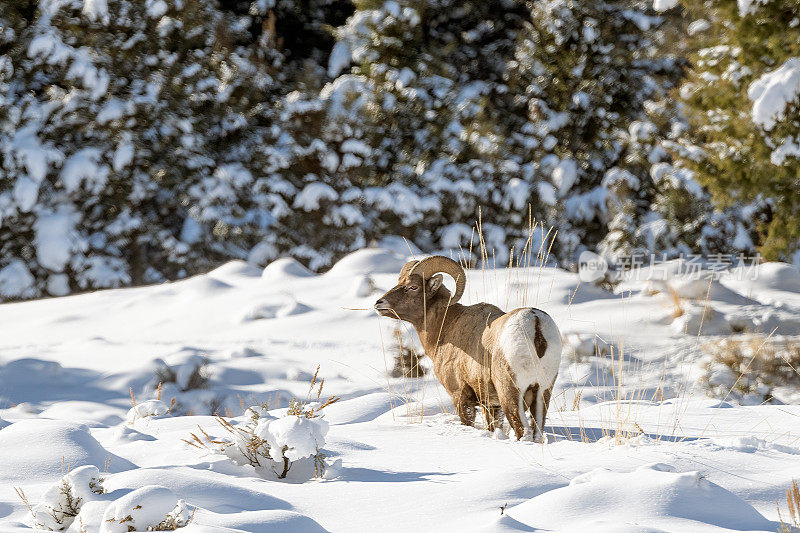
point(364, 286)
point(147, 409)
point(583, 347)
point(243, 446)
point(406, 361)
point(294, 437)
point(272, 444)
point(62, 502)
point(753, 369)
point(189, 375)
point(150, 508)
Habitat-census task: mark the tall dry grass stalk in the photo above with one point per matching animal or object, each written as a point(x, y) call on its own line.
point(793, 504)
point(676, 301)
point(24, 498)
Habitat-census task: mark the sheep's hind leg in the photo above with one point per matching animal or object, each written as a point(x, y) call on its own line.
point(546, 404)
point(512, 404)
point(538, 410)
point(529, 402)
point(465, 406)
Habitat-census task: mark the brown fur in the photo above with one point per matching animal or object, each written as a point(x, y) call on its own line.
point(461, 352)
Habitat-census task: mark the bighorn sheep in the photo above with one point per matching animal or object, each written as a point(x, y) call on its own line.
point(481, 355)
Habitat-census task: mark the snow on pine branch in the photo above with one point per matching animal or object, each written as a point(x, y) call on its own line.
point(773, 92)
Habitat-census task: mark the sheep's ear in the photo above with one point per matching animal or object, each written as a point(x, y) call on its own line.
point(434, 283)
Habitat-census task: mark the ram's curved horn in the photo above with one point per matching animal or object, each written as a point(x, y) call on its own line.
point(438, 263)
point(406, 270)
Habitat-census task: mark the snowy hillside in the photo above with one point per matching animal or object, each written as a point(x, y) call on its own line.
point(635, 441)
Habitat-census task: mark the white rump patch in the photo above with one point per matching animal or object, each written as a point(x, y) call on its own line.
point(518, 347)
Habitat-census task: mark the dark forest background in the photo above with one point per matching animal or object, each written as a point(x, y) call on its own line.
point(144, 140)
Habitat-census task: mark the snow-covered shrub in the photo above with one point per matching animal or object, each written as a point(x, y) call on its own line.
point(700, 319)
point(242, 445)
point(184, 377)
point(741, 97)
point(286, 306)
point(364, 286)
point(150, 508)
point(271, 444)
point(62, 502)
point(753, 369)
point(586, 87)
point(186, 372)
point(294, 437)
point(582, 347)
point(147, 409)
point(16, 280)
point(406, 355)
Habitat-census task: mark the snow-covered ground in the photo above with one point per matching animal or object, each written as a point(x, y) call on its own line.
point(634, 443)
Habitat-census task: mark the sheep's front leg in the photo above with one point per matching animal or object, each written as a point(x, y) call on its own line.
point(466, 404)
point(493, 416)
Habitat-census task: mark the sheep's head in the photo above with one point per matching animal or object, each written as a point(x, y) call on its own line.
point(419, 287)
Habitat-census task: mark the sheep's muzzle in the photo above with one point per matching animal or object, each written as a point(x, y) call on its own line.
point(383, 308)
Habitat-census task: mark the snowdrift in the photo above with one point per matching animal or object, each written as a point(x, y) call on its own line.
point(629, 393)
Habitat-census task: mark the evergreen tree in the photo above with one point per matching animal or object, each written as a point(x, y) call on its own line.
point(586, 70)
point(142, 141)
point(121, 118)
point(427, 92)
point(743, 141)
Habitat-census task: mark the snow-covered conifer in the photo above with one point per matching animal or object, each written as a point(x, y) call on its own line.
point(742, 101)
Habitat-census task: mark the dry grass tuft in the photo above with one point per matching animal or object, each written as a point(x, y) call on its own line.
point(752, 366)
point(793, 503)
point(676, 301)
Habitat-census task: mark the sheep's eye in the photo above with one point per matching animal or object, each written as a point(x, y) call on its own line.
point(412, 288)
